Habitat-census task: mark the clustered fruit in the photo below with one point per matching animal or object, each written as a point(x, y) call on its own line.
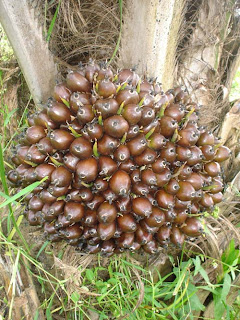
point(126, 166)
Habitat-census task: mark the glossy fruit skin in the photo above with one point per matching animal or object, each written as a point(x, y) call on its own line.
point(127, 223)
point(59, 112)
point(35, 133)
point(87, 170)
point(115, 126)
point(81, 148)
point(106, 213)
point(192, 227)
point(77, 82)
point(126, 166)
point(61, 177)
point(132, 113)
point(73, 211)
point(61, 139)
point(222, 154)
point(120, 183)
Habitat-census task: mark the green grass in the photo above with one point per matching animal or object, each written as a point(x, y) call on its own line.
point(235, 90)
point(120, 289)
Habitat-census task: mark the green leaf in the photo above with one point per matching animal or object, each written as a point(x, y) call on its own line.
point(219, 297)
point(120, 33)
point(24, 191)
point(36, 315)
point(8, 117)
point(90, 275)
point(53, 22)
point(42, 248)
point(226, 287)
point(75, 296)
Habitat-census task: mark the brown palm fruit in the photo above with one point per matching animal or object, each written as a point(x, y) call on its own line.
point(132, 113)
point(137, 145)
point(122, 153)
point(95, 202)
point(61, 177)
point(42, 119)
point(73, 211)
point(115, 126)
point(142, 207)
point(222, 154)
point(71, 232)
point(44, 146)
point(61, 139)
point(120, 183)
point(157, 218)
point(107, 145)
point(106, 88)
point(35, 203)
point(70, 161)
point(172, 187)
point(125, 240)
point(151, 247)
point(163, 177)
point(168, 153)
point(157, 141)
point(168, 126)
point(135, 246)
point(145, 226)
point(90, 219)
point(147, 157)
point(188, 138)
point(125, 165)
point(61, 92)
point(106, 231)
point(192, 227)
point(85, 114)
point(106, 107)
point(175, 111)
point(81, 148)
point(165, 200)
point(180, 215)
point(106, 213)
point(77, 82)
point(149, 177)
point(127, 96)
point(142, 236)
point(59, 112)
point(206, 138)
point(107, 247)
point(159, 165)
point(208, 152)
point(34, 134)
point(127, 223)
point(133, 132)
point(177, 237)
point(141, 189)
point(87, 170)
point(216, 197)
point(163, 235)
point(106, 166)
point(212, 168)
point(124, 204)
point(34, 155)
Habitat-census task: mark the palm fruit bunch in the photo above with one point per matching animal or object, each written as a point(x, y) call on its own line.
point(126, 166)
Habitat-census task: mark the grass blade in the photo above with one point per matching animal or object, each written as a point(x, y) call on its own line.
point(120, 34)
point(53, 22)
point(23, 192)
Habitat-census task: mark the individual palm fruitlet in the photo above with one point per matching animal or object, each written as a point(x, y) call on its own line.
point(127, 165)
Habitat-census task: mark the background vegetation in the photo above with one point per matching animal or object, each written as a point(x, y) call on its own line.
point(51, 281)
